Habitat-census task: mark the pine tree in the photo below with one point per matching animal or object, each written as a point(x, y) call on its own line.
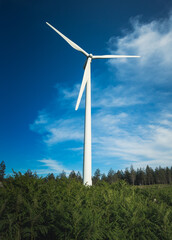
point(50, 176)
point(72, 175)
point(111, 176)
point(29, 173)
point(157, 176)
point(78, 176)
point(149, 175)
point(104, 178)
point(127, 176)
point(162, 175)
point(120, 175)
point(168, 175)
point(96, 176)
point(132, 174)
point(62, 175)
point(2, 170)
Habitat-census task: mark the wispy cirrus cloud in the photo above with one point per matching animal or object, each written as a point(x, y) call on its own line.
point(153, 42)
point(146, 144)
point(121, 137)
point(117, 96)
point(55, 131)
point(51, 166)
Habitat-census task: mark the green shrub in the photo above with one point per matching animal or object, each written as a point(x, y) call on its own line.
point(32, 208)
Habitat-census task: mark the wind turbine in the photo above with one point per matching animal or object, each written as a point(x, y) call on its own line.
point(86, 81)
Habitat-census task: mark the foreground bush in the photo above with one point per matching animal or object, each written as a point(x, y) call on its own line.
point(31, 208)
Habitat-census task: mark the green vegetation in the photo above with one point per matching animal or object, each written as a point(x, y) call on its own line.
point(62, 208)
point(140, 176)
point(2, 170)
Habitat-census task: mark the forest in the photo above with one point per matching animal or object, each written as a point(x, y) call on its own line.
point(120, 205)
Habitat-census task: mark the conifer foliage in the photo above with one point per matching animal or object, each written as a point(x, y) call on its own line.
point(140, 176)
point(2, 170)
point(62, 208)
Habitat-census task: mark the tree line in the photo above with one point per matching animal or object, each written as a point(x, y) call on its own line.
point(141, 176)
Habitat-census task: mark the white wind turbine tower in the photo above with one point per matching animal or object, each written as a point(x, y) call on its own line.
point(86, 81)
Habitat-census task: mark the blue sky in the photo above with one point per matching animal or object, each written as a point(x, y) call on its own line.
point(40, 77)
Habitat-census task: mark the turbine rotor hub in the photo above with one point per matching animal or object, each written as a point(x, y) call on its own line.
point(90, 55)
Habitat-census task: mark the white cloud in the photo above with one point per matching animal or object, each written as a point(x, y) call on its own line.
point(70, 93)
point(145, 144)
point(52, 166)
point(119, 96)
point(153, 42)
point(55, 131)
point(42, 120)
point(63, 130)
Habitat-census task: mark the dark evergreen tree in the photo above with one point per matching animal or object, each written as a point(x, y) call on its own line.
point(96, 177)
point(138, 178)
point(2, 170)
point(132, 175)
point(28, 173)
point(78, 176)
point(72, 175)
point(141, 176)
point(111, 176)
point(120, 175)
point(162, 174)
point(127, 176)
point(104, 178)
point(62, 175)
point(149, 175)
point(168, 175)
point(157, 176)
point(50, 176)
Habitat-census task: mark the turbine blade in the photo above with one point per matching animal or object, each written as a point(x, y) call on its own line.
point(84, 81)
point(114, 56)
point(72, 44)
